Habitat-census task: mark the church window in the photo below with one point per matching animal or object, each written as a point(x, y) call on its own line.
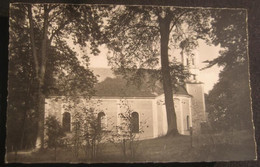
point(187, 60)
point(135, 122)
point(193, 61)
point(194, 77)
point(101, 120)
point(188, 122)
point(66, 121)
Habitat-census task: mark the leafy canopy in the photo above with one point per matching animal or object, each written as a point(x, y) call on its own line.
point(133, 35)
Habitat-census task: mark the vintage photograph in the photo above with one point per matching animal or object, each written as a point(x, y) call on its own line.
point(118, 83)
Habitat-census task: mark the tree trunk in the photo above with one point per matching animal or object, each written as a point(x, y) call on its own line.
point(41, 108)
point(41, 78)
point(15, 154)
point(124, 148)
point(132, 149)
point(55, 153)
point(164, 24)
point(23, 130)
point(24, 119)
point(93, 149)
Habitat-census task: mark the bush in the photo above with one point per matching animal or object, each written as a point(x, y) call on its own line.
point(54, 132)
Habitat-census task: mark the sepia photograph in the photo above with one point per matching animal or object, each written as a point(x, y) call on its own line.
point(128, 83)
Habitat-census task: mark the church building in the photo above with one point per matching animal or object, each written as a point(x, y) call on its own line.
point(149, 112)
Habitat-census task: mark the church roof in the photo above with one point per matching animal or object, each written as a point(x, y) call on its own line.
point(117, 86)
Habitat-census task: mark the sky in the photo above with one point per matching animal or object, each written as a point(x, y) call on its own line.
point(208, 76)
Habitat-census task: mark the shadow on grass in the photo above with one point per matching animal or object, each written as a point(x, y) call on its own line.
point(163, 149)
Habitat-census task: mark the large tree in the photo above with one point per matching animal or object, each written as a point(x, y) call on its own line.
point(228, 103)
point(141, 37)
point(21, 119)
point(40, 52)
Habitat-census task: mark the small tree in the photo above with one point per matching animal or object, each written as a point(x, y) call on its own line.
point(54, 133)
point(129, 130)
point(87, 129)
point(77, 138)
point(94, 131)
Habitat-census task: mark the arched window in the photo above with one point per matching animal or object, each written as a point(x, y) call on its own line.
point(101, 120)
point(193, 76)
point(188, 122)
point(66, 121)
point(135, 122)
point(187, 60)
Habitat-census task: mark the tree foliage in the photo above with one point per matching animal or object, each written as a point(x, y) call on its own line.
point(228, 103)
point(21, 120)
point(54, 132)
point(42, 63)
point(88, 132)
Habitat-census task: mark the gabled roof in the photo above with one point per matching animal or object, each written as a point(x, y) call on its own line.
point(118, 87)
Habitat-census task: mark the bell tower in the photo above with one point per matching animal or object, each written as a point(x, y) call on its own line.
point(191, 61)
point(196, 89)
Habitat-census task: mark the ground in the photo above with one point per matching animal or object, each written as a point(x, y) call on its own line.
point(163, 149)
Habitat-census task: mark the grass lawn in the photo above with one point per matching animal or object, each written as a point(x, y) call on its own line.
point(163, 149)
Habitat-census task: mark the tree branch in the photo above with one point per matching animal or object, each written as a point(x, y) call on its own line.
point(55, 32)
point(51, 6)
point(54, 15)
point(45, 43)
point(176, 19)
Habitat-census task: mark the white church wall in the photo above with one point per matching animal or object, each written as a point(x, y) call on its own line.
point(155, 119)
point(179, 114)
point(152, 112)
point(53, 108)
point(162, 117)
point(111, 107)
point(159, 118)
point(186, 116)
